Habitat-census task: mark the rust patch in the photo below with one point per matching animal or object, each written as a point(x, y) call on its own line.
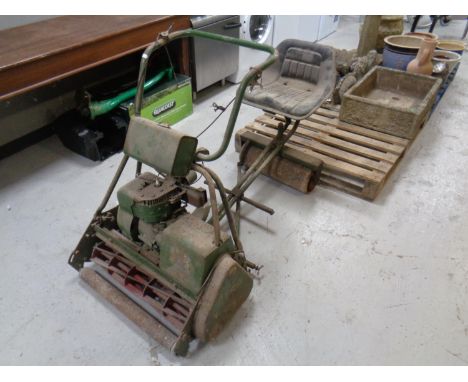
point(165, 301)
point(286, 171)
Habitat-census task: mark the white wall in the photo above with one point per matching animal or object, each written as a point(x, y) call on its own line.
point(11, 21)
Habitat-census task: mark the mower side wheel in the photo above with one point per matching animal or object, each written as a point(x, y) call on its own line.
point(228, 287)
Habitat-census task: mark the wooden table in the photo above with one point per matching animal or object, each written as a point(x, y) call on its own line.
point(43, 52)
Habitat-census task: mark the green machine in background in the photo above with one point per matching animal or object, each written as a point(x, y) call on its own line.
point(170, 102)
point(97, 128)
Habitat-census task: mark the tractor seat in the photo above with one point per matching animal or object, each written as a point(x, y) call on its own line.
point(296, 85)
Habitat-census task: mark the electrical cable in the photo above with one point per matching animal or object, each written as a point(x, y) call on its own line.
point(216, 118)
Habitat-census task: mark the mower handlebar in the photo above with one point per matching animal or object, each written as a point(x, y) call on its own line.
point(167, 38)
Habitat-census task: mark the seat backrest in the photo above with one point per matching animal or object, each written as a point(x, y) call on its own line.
point(166, 150)
point(302, 64)
point(298, 82)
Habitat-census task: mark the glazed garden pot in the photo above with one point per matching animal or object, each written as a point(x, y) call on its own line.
point(452, 46)
point(423, 35)
point(448, 57)
point(399, 50)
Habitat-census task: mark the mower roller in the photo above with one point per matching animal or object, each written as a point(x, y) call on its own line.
point(175, 272)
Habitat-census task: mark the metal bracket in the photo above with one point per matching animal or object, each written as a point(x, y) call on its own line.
point(217, 107)
point(256, 80)
point(165, 35)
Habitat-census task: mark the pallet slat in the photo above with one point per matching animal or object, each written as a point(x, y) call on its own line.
point(334, 121)
point(332, 152)
point(355, 159)
point(335, 164)
point(325, 125)
point(336, 142)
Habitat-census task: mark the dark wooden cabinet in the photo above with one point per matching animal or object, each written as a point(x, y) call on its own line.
point(43, 52)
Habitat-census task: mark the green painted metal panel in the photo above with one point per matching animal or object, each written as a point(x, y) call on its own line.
point(187, 251)
point(167, 150)
point(168, 103)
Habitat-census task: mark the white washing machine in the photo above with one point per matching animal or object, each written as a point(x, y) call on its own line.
point(300, 27)
point(328, 25)
point(258, 28)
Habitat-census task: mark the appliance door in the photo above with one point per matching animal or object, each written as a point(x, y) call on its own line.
point(214, 60)
point(259, 28)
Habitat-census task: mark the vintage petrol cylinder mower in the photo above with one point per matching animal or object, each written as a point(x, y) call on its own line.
point(175, 273)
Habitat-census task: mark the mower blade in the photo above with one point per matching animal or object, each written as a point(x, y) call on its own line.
point(133, 312)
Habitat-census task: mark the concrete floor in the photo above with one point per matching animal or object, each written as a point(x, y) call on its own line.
point(345, 281)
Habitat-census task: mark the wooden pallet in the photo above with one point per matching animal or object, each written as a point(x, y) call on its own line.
point(355, 159)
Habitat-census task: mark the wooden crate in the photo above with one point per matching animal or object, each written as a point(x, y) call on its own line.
point(355, 159)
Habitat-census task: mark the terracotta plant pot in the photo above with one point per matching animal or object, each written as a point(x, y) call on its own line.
point(422, 64)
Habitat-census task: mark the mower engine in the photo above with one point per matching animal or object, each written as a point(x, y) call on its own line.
point(147, 205)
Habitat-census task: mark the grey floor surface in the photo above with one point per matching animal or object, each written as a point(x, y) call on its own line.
point(345, 281)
